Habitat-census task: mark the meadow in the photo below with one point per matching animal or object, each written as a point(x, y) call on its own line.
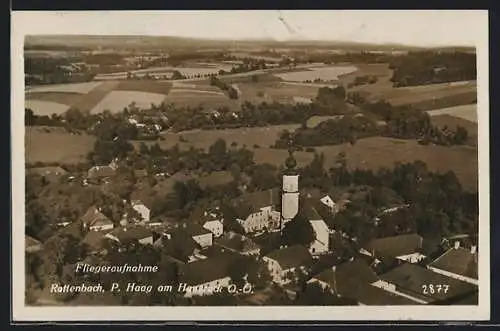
point(56, 145)
point(368, 153)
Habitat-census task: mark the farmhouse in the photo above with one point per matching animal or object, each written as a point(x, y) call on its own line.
point(94, 220)
point(103, 172)
point(458, 263)
point(423, 285)
point(403, 247)
point(239, 244)
point(202, 277)
point(125, 235)
point(256, 211)
point(286, 261)
point(31, 245)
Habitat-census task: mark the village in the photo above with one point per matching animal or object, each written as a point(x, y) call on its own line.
point(207, 254)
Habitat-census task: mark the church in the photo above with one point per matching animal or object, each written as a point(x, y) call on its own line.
point(290, 207)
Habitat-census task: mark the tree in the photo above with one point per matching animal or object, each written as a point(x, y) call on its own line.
point(298, 232)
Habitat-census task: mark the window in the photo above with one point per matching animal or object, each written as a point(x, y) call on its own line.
point(314, 250)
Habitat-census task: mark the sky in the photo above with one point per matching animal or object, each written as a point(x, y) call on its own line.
point(419, 28)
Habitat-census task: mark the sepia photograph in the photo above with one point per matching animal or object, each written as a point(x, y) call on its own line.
point(250, 165)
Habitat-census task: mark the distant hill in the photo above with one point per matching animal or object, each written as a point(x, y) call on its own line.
point(63, 42)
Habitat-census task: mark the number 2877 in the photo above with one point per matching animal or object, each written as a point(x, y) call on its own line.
point(434, 288)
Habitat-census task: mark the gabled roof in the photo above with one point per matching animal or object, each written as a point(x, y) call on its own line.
point(196, 230)
point(93, 217)
point(237, 242)
point(292, 256)
point(348, 277)
point(409, 279)
point(308, 210)
point(373, 296)
point(395, 246)
point(253, 202)
point(94, 239)
point(206, 270)
point(459, 261)
point(127, 234)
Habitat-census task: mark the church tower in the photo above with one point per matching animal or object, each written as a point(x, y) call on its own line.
point(289, 191)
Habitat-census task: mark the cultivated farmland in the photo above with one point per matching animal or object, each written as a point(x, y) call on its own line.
point(82, 88)
point(115, 101)
point(151, 86)
point(322, 73)
point(48, 108)
point(467, 112)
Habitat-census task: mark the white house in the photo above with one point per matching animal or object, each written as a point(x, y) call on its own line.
point(214, 226)
point(286, 261)
point(321, 243)
point(257, 211)
point(142, 209)
point(202, 236)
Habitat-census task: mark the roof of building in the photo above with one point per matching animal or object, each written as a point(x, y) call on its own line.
point(44, 171)
point(94, 239)
point(196, 229)
point(292, 256)
point(348, 277)
point(253, 202)
point(309, 211)
point(237, 242)
point(93, 217)
point(206, 270)
point(30, 241)
point(373, 296)
point(127, 234)
point(459, 261)
point(409, 278)
point(395, 246)
point(101, 172)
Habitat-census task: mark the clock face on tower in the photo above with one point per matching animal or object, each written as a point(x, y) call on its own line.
point(290, 183)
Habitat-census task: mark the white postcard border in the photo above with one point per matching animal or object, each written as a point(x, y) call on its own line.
point(24, 23)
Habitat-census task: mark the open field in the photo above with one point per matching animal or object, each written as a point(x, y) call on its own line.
point(151, 86)
point(82, 88)
point(381, 71)
point(56, 145)
point(466, 112)
point(115, 101)
point(376, 152)
point(66, 98)
point(41, 107)
point(197, 98)
point(331, 73)
point(263, 137)
point(366, 153)
point(279, 91)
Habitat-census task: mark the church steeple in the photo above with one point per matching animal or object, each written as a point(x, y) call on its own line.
point(290, 190)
